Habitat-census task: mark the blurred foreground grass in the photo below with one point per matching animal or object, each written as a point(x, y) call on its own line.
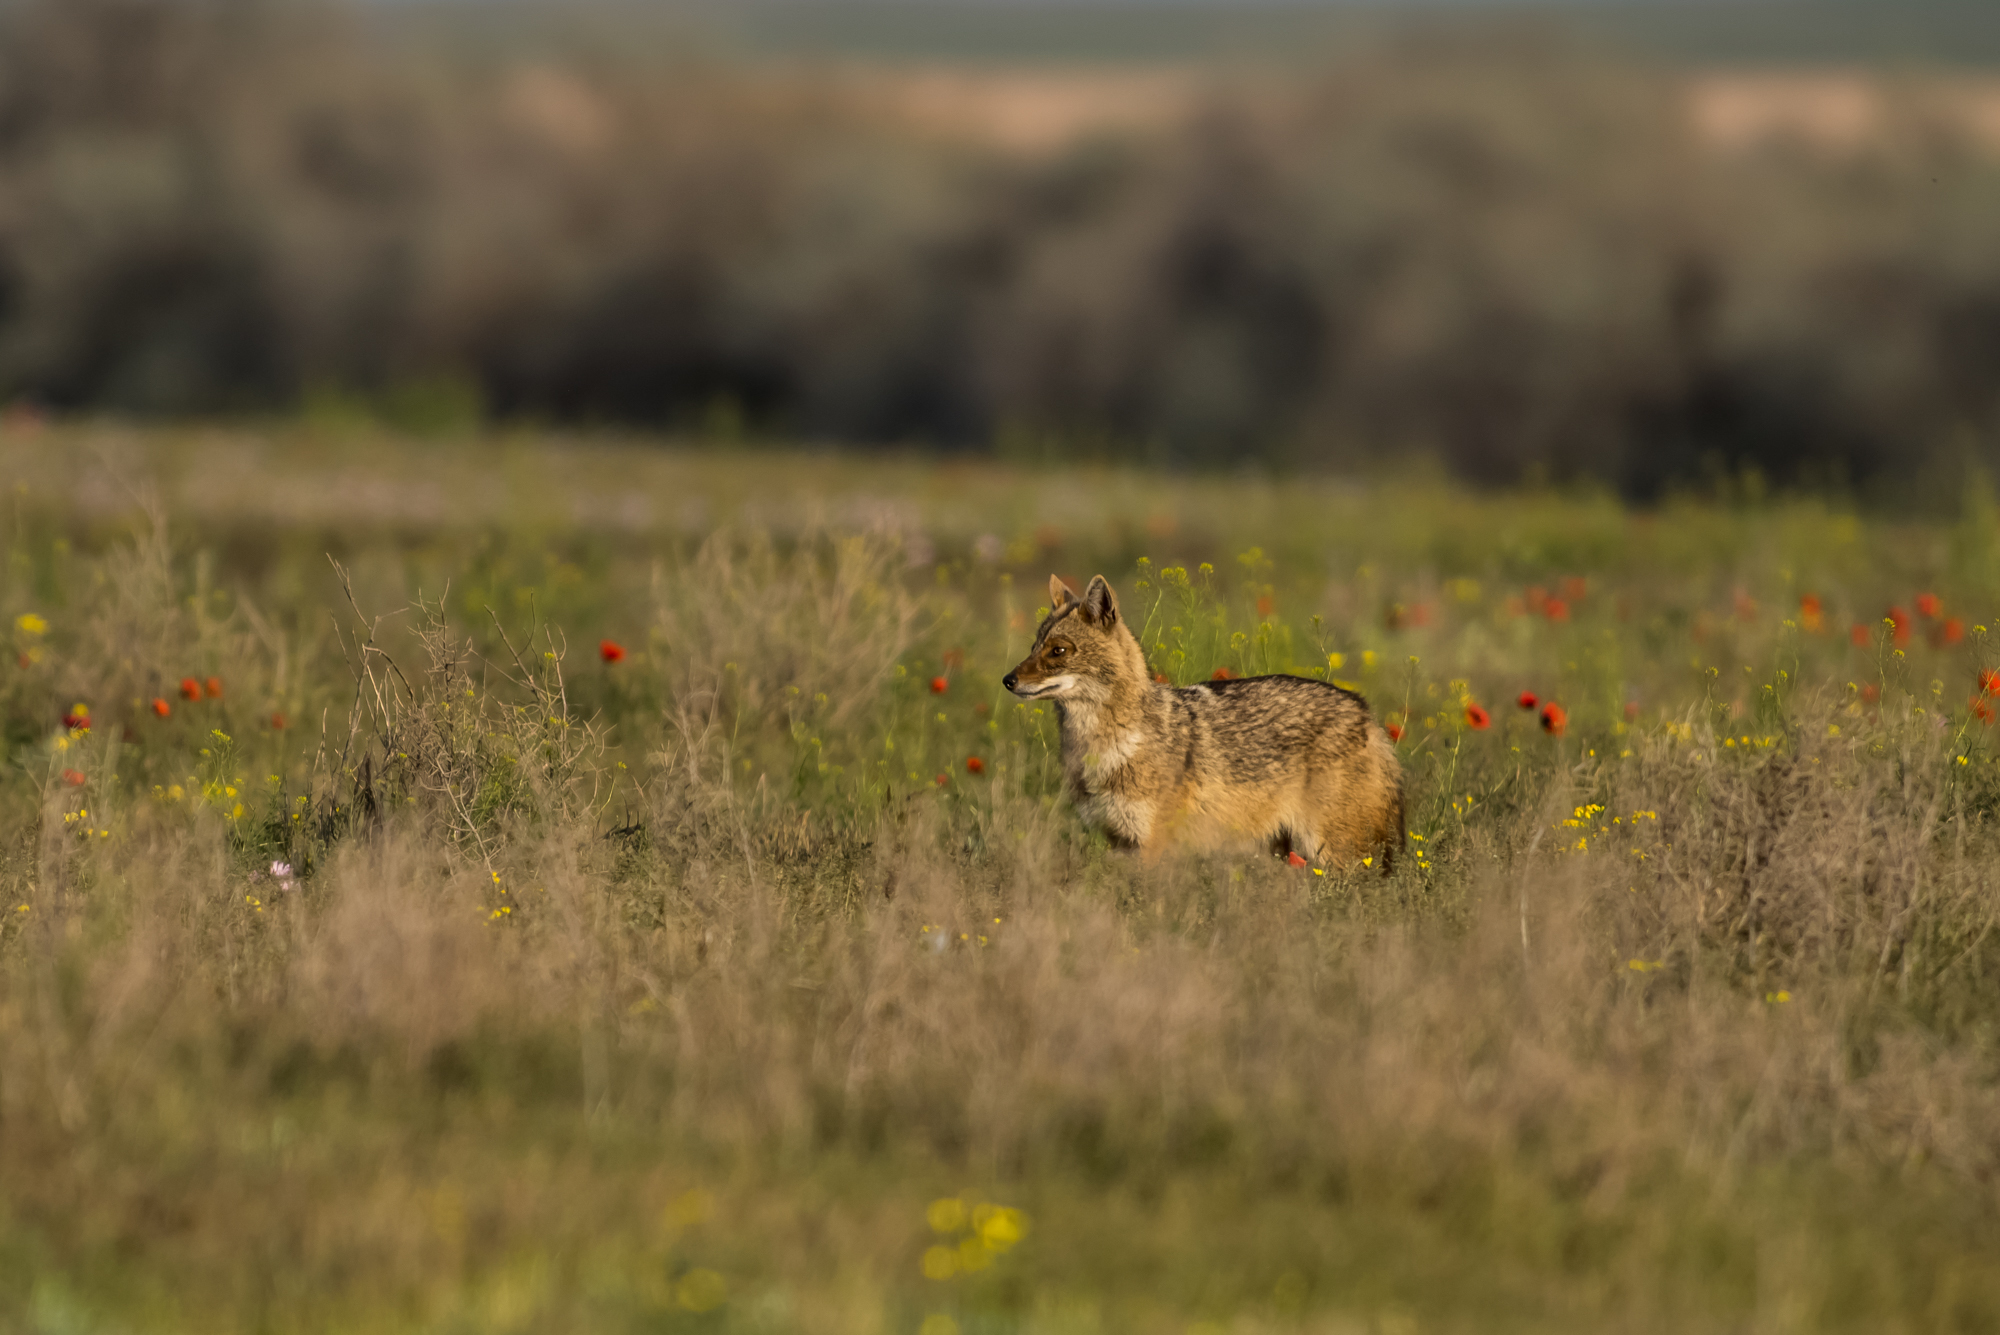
point(580, 907)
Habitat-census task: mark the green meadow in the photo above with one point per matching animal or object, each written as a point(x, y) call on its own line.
point(577, 884)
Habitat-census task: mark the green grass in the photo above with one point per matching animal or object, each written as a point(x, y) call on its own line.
point(675, 992)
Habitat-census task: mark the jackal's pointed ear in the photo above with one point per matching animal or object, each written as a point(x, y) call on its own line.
point(1100, 604)
point(1059, 593)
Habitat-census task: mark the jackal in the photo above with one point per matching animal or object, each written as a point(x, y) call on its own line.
point(1295, 764)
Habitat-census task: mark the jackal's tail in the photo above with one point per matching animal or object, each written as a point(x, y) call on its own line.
point(1393, 845)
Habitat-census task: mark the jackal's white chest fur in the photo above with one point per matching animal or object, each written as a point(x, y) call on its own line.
point(1096, 758)
point(1126, 818)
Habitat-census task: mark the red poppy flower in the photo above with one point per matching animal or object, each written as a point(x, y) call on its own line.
point(1555, 609)
point(278, 721)
point(611, 651)
point(974, 765)
point(1477, 719)
point(1266, 605)
point(1951, 632)
point(1221, 674)
point(214, 688)
point(938, 685)
point(1901, 619)
point(1527, 700)
point(73, 778)
point(1928, 606)
point(1294, 860)
point(943, 779)
point(77, 720)
point(1811, 615)
point(1859, 636)
point(161, 707)
point(1871, 692)
point(1989, 682)
point(1574, 588)
point(1555, 719)
point(1631, 710)
point(190, 689)
point(1395, 731)
point(1160, 677)
point(1982, 710)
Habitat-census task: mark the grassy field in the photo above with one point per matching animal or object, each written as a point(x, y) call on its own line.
point(531, 885)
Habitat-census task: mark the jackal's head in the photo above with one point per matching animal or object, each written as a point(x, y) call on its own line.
point(1082, 648)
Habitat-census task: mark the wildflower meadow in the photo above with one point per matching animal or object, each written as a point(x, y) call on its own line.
point(538, 884)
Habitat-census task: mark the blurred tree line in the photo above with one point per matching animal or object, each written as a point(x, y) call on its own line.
point(1499, 253)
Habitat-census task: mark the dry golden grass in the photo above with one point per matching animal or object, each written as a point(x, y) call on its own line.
point(676, 991)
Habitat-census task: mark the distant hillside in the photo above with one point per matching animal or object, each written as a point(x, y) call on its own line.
point(1951, 32)
point(1763, 32)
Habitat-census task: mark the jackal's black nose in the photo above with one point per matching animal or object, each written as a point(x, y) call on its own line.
point(1010, 681)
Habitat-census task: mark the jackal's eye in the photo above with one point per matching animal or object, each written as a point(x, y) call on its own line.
point(1058, 650)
